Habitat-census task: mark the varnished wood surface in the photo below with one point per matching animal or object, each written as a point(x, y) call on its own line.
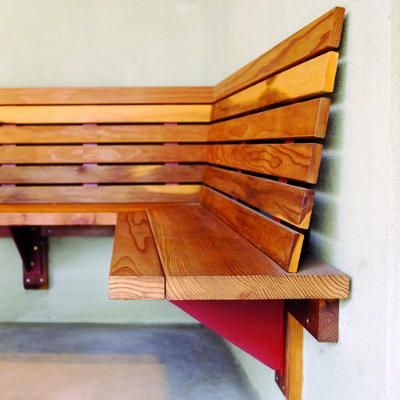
point(101, 174)
point(203, 259)
point(102, 154)
point(92, 114)
point(36, 134)
point(106, 95)
point(319, 317)
point(307, 119)
point(312, 78)
point(287, 202)
point(135, 272)
point(99, 194)
point(299, 161)
point(280, 243)
point(291, 380)
point(320, 35)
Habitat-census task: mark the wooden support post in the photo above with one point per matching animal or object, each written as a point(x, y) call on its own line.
point(290, 379)
point(32, 247)
point(319, 317)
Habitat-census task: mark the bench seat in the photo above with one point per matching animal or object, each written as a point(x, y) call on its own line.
point(183, 252)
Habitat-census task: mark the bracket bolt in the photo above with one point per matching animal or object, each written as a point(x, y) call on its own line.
point(35, 248)
point(307, 321)
point(41, 280)
point(32, 263)
point(28, 280)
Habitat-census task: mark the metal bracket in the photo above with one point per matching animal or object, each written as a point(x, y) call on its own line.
point(32, 247)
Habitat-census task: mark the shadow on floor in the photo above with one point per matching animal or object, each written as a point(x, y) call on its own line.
point(64, 361)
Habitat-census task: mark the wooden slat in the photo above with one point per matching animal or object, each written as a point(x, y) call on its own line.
point(101, 154)
point(299, 161)
point(312, 78)
point(319, 317)
point(86, 114)
point(135, 272)
point(106, 95)
point(308, 119)
point(289, 203)
point(101, 174)
point(280, 243)
point(10, 134)
point(203, 259)
point(319, 36)
point(75, 218)
point(99, 194)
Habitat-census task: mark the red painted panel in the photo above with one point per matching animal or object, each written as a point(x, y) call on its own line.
point(256, 326)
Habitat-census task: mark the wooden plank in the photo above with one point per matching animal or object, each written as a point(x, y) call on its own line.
point(312, 78)
point(101, 174)
point(10, 134)
point(135, 272)
point(287, 202)
point(203, 259)
point(319, 36)
point(58, 219)
point(87, 114)
point(290, 380)
point(282, 244)
point(101, 154)
point(319, 317)
point(298, 161)
point(107, 95)
point(99, 194)
point(308, 119)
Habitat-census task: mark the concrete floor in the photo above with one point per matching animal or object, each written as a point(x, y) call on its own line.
point(64, 361)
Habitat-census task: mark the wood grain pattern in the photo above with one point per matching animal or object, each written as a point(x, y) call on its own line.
point(280, 243)
point(92, 114)
point(311, 78)
point(101, 174)
point(10, 134)
point(107, 95)
point(290, 203)
point(99, 194)
point(101, 154)
point(203, 259)
point(135, 272)
point(308, 119)
point(320, 35)
point(298, 161)
point(291, 380)
point(319, 317)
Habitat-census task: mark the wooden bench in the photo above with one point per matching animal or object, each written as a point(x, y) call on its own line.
point(208, 187)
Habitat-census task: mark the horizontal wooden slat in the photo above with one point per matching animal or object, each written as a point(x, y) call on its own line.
point(287, 202)
point(101, 174)
point(293, 160)
point(135, 271)
point(280, 243)
point(307, 119)
point(85, 114)
point(312, 78)
point(317, 37)
point(203, 259)
point(10, 134)
point(101, 154)
point(106, 95)
point(99, 194)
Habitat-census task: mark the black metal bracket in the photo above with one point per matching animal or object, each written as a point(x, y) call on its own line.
point(32, 247)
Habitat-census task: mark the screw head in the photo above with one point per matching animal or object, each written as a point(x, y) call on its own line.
point(28, 280)
point(32, 263)
point(41, 280)
point(35, 248)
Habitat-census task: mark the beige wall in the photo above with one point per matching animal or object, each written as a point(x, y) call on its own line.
point(354, 226)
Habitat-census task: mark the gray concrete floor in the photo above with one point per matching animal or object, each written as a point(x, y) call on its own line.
point(68, 361)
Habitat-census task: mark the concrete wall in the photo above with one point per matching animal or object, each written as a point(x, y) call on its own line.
point(355, 225)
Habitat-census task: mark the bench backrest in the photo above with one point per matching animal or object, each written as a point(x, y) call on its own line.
point(247, 148)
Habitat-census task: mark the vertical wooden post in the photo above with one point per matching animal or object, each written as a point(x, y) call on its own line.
point(290, 379)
